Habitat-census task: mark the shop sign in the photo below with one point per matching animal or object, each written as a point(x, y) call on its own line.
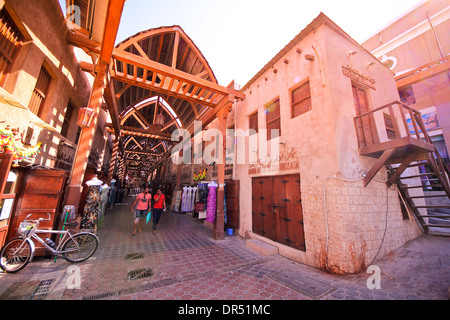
point(228, 172)
point(358, 77)
point(284, 161)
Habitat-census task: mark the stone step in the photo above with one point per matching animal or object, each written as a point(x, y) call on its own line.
point(262, 247)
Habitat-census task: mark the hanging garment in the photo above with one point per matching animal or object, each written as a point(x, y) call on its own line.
point(183, 200)
point(192, 201)
point(188, 199)
point(211, 209)
point(202, 193)
point(197, 197)
point(103, 202)
point(177, 203)
point(89, 221)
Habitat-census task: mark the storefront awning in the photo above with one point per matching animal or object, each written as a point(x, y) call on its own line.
point(15, 114)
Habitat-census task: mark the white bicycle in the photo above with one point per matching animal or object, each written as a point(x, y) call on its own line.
point(18, 252)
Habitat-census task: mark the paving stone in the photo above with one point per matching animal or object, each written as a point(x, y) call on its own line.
point(188, 264)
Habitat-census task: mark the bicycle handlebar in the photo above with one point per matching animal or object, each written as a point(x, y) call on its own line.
point(38, 220)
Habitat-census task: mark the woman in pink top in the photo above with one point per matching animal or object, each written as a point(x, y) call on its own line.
point(143, 205)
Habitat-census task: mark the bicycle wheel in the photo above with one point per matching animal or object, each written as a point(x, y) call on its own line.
point(15, 255)
point(80, 247)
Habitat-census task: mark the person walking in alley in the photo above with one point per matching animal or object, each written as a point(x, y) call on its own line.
point(158, 207)
point(143, 205)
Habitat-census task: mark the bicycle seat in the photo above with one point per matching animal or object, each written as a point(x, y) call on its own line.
point(71, 224)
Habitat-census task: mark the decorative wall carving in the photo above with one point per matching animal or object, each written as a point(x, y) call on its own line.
point(358, 77)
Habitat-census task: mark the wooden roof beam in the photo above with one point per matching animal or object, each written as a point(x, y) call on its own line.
point(181, 76)
point(424, 72)
point(155, 88)
point(83, 42)
point(147, 153)
point(148, 133)
point(111, 102)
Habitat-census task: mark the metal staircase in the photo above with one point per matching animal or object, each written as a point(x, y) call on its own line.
point(413, 164)
point(432, 207)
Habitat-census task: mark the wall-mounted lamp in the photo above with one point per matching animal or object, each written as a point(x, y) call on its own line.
point(352, 53)
point(370, 64)
point(159, 120)
point(85, 117)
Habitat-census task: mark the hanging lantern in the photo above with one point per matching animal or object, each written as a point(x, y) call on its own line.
point(159, 120)
point(85, 117)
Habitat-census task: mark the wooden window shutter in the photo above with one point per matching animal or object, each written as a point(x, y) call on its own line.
point(253, 122)
point(273, 119)
point(10, 41)
point(301, 100)
point(40, 92)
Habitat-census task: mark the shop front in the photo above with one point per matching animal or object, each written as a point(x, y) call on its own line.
point(197, 195)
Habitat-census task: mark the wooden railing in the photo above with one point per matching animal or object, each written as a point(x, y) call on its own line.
point(398, 130)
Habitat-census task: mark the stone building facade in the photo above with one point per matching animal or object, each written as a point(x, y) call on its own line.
point(45, 76)
point(343, 225)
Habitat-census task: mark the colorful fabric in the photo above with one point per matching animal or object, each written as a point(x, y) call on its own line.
point(89, 221)
point(211, 207)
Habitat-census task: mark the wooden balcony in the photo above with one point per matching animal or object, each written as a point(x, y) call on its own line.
point(396, 135)
point(393, 133)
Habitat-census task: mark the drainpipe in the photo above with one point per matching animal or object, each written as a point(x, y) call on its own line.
point(235, 142)
point(438, 43)
point(435, 36)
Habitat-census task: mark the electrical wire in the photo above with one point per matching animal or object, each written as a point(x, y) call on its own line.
point(328, 267)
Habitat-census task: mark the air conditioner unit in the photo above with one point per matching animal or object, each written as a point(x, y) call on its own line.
point(31, 135)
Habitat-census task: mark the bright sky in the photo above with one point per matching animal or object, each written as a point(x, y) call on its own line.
point(238, 37)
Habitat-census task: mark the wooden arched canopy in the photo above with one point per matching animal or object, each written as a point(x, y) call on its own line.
point(160, 71)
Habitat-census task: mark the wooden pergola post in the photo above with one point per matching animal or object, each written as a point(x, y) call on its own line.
point(114, 13)
point(75, 187)
point(219, 223)
point(112, 163)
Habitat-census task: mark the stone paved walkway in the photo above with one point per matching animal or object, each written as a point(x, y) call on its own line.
point(183, 262)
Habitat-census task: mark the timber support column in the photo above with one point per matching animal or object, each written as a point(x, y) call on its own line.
point(111, 26)
point(75, 187)
point(219, 224)
point(179, 168)
point(112, 164)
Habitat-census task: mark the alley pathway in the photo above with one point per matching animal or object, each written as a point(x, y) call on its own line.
point(183, 262)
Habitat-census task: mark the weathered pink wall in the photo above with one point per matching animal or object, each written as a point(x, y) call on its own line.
point(351, 228)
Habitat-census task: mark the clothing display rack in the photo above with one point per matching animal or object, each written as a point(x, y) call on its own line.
point(199, 200)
